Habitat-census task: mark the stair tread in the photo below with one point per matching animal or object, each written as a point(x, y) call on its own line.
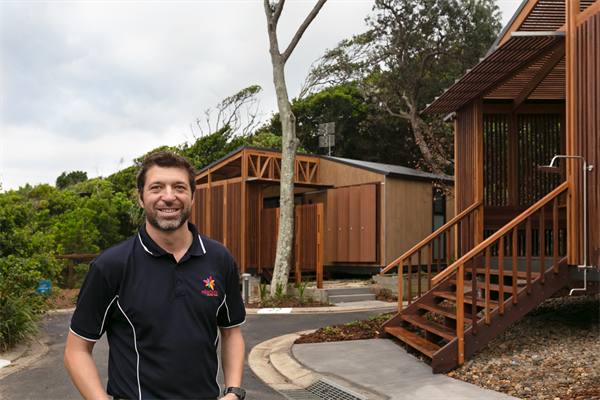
point(445, 311)
point(467, 299)
point(413, 340)
point(508, 272)
point(430, 326)
point(481, 285)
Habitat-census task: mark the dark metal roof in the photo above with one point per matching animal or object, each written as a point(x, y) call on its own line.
point(388, 170)
point(512, 56)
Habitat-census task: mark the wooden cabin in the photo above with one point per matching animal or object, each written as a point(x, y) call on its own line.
point(520, 233)
point(351, 216)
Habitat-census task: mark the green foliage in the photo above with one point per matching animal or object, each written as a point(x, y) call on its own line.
point(18, 302)
point(301, 288)
point(76, 232)
point(330, 330)
point(279, 291)
point(208, 149)
point(362, 131)
point(263, 291)
point(65, 180)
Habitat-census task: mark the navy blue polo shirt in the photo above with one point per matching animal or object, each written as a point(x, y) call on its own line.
point(161, 317)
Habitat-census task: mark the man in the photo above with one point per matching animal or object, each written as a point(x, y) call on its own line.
point(164, 298)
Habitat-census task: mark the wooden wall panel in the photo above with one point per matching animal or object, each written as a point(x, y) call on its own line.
point(586, 139)
point(234, 220)
point(338, 174)
point(343, 224)
point(368, 223)
point(253, 224)
point(217, 204)
point(332, 225)
point(353, 216)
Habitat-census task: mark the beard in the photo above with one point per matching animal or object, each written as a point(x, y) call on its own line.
point(167, 223)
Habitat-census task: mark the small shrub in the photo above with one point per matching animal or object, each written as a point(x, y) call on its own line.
point(301, 288)
point(330, 330)
point(279, 291)
point(263, 291)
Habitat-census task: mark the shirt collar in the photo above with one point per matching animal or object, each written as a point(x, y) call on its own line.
point(196, 249)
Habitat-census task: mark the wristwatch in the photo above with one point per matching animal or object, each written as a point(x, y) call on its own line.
point(239, 392)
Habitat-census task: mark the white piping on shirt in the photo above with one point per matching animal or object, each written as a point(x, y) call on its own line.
point(202, 244)
point(143, 245)
point(136, 351)
point(227, 308)
point(105, 313)
point(218, 361)
point(84, 338)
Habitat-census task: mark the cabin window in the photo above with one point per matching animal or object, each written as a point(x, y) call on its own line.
point(439, 219)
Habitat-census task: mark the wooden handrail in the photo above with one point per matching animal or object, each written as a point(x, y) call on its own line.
point(499, 233)
point(433, 236)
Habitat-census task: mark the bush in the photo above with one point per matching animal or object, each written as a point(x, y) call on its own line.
point(19, 304)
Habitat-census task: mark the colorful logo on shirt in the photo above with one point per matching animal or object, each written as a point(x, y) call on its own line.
point(210, 283)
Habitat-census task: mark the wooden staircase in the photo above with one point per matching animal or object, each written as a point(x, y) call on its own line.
point(485, 291)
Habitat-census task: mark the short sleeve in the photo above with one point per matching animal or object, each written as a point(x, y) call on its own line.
point(232, 312)
point(96, 302)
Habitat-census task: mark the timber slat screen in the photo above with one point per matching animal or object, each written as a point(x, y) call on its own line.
point(217, 197)
point(253, 226)
point(199, 210)
point(587, 125)
point(234, 219)
point(307, 254)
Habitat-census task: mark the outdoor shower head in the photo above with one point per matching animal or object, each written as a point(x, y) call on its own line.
point(549, 168)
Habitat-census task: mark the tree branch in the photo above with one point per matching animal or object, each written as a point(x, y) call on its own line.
point(302, 29)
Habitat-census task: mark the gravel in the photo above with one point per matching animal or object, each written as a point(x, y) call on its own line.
point(552, 353)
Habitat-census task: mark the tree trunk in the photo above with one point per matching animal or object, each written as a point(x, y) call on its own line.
point(288, 158)
point(289, 142)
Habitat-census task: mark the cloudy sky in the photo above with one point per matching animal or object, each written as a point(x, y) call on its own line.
point(85, 84)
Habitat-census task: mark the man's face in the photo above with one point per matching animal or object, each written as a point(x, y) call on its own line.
point(167, 197)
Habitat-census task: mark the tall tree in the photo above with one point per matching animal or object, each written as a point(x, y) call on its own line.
point(290, 143)
point(413, 50)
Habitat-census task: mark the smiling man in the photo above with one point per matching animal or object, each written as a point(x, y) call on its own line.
point(164, 297)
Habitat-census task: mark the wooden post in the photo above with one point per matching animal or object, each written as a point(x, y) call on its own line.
point(460, 314)
point(478, 149)
point(320, 245)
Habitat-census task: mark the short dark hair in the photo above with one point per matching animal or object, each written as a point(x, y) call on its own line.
point(165, 159)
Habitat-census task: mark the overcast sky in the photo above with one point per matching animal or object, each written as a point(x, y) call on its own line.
point(85, 84)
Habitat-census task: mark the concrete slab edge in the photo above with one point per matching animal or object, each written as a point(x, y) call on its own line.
point(338, 309)
point(32, 352)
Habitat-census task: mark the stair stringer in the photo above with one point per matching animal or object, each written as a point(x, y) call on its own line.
point(445, 360)
point(412, 309)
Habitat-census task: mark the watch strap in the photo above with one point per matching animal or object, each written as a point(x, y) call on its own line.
point(239, 392)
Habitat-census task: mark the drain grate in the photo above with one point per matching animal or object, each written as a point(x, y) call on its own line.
point(323, 389)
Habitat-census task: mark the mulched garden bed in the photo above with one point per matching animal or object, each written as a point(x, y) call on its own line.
point(356, 330)
point(288, 303)
point(62, 299)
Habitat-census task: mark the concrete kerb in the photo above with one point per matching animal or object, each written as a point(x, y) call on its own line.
point(274, 364)
point(22, 356)
point(337, 309)
point(25, 354)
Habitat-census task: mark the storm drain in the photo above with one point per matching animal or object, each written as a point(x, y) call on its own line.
point(323, 389)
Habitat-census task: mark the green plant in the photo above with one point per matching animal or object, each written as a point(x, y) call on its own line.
point(263, 291)
point(301, 288)
point(330, 330)
point(19, 319)
point(279, 291)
